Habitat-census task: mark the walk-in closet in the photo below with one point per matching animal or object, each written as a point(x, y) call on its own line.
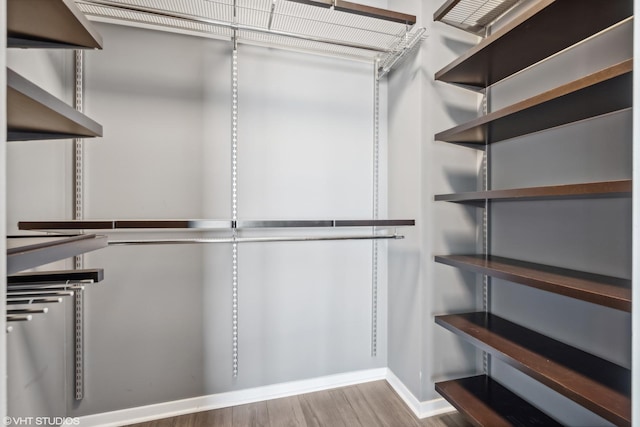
point(319, 212)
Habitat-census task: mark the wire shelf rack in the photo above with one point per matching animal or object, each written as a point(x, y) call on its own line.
point(472, 15)
point(337, 29)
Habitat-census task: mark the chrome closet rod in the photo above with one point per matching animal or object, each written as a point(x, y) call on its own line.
point(27, 301)
point(249, 240)
point(38, 294)
point(19, 317)
point(15, 311)
point(45, 287)
point(231, 26)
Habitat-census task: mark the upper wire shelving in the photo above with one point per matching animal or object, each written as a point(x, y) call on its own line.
point(473, 16)
point(335, 27)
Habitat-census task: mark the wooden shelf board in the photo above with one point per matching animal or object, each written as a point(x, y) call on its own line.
point(545, 29)
point(598, 289)
point(603, 92)
point(598, 385)
point(604, 189)
point(60, 276)
point(33, 113)
point(53, 248)
point(486, 402)
point(49, 24)
point(363, 10)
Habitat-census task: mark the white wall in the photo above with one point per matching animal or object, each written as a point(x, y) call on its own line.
point(419, 352)
point(37, 351)
point(159, 327)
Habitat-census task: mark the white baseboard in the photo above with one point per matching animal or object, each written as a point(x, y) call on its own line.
point(232, 398)
point(425, 409)
point(222, 400)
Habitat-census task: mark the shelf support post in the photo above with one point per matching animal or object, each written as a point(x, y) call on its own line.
point(78, 214)
point(486, 220)
point(234, 203)
point(376, 173)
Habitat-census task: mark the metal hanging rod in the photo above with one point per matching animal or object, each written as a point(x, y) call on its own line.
point(250, 240)
point(14, 311)
point(205, 224)
point(46, 287)
point(28, 301)
point(19, 318)
point(37, 294)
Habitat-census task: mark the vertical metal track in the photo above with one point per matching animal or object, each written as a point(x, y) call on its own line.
point(78, 301)
point(234, 204)
point(486, 219)
point(376, 173)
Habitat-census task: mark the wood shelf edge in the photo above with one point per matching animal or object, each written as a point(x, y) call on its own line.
point(598, 289)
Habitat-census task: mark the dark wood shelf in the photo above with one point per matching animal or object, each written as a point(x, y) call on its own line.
point(541, 31)
point(49, 24)
point(51, 277)
point(600, 386)
point(605, 189)
point(598, 289)
point(33, 113)
point(603, 92)
point(487, 403)
point(28, 255)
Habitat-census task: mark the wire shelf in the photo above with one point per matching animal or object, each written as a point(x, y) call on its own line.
point(472, 15)
point(345, 30)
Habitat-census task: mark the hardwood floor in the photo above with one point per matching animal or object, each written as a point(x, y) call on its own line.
point(370, 404)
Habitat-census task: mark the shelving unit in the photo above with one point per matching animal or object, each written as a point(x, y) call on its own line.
point(608, 291)
point(599, 385)
point(492, 404)
point(21, 256)
point(547, 28)
point(337, 28)
point(49, 24)
point(33, 114)
point(540, 31)
point(565, 104)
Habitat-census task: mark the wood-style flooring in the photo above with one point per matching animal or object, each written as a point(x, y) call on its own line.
point(370, 404)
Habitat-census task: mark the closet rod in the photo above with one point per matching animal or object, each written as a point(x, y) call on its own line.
point(38, 294)
point(230, 25)
point(14, 311)
point(47, 287)
point(19, 318)
point(249, 240)
point(27, 301)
